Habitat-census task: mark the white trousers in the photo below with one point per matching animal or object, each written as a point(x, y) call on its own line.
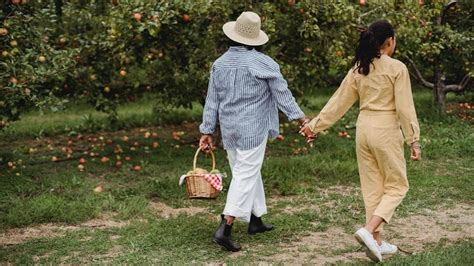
point(246, 194)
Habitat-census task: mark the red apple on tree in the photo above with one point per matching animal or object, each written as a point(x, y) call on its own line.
point(185, 18)
point(137, 17)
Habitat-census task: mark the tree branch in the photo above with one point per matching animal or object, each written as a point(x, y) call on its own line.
point(465, 80)
point(459, 87)
point(418, 75)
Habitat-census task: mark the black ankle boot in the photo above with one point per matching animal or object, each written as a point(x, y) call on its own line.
point(222, 236)
point(256, 225)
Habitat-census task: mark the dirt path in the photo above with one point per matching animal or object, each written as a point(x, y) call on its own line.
point(412, 234)
point(19, 235)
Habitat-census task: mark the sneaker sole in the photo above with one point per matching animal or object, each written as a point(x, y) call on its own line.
point(389, 253)
point(368, 252)
point(228, 248)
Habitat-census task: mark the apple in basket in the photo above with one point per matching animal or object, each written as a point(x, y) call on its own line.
point(198, 171)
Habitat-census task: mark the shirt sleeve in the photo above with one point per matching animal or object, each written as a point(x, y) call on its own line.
point(283, 96)
point(344, 97)
point(211, 107)
point(405, 107)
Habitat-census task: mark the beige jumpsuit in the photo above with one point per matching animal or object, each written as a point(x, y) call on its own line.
point(385, 103)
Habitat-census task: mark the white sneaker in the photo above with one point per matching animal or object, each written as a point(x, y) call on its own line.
point(367, 240)
point(387, 248)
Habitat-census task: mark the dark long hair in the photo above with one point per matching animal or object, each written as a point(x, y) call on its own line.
point(370, 42)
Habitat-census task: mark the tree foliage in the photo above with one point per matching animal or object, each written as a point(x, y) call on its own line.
point(108, 52)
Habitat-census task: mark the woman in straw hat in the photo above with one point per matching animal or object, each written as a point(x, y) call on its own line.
point(382, 86)
point(246, 89)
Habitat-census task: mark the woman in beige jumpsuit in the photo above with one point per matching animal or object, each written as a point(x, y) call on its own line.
point(382, 86)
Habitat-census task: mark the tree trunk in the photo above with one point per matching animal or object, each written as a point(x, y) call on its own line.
point(439, 95)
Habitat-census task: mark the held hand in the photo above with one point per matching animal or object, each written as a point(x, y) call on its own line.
point(205, 143)
point(415, 151)
point(306, 132)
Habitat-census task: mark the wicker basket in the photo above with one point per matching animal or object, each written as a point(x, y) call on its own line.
point(197, 186)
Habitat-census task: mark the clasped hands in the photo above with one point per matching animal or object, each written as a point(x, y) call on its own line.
point(306, 131)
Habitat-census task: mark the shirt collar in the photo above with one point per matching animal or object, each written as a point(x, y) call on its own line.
point(238, 48)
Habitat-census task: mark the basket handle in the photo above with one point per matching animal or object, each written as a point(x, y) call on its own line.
point(195, 159)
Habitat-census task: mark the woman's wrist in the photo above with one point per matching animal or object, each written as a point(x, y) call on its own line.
point(415, 144)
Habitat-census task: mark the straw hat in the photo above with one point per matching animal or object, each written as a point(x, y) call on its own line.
point(246, 30)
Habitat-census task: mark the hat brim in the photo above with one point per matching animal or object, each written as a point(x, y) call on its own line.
point(229, 31)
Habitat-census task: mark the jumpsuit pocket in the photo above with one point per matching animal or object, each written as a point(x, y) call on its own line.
point(387, 136)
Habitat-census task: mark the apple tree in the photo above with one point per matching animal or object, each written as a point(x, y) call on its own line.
point(34, 63)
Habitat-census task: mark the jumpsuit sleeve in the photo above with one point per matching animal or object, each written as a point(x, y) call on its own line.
point(211, 107)
point(344, 97)
point(405, 107)
point(282, 95)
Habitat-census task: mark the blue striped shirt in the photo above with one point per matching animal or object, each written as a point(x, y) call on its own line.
point(245, 91)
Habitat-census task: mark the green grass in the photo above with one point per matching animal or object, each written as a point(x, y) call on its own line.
point(80, 117)
point(461, 253)
point(40, 191)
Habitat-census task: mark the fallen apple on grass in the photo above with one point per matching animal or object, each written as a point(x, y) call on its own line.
point(99, 189)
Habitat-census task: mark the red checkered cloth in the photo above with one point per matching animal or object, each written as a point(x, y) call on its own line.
point(215, 180)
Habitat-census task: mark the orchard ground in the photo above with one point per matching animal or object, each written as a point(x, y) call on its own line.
point(52, 212)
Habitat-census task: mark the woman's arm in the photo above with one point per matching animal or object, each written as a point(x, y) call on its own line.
point(345, 96)
point(405, 107)
point(211, 107)
point(282, 95)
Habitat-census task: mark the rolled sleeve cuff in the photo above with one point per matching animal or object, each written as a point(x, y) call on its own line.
point(205, 130)
point(313, 123)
